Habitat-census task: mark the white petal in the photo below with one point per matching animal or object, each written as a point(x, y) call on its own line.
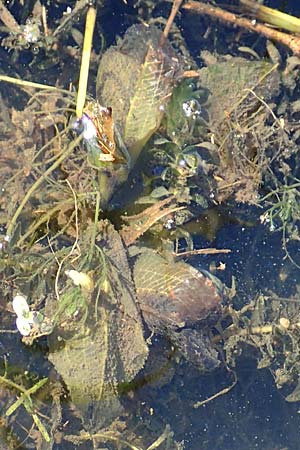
point(80, 279)
point(23, 326)
point(20, 305)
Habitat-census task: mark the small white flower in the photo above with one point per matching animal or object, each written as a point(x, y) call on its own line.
point(23, 326)
point(20, 306)
point(264, 218)
point(26, 319)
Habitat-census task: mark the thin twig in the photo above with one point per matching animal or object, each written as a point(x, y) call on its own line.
point(203, 251)
point(218, 394)
point(174, 11)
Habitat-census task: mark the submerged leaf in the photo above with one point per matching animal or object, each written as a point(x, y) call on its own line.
point(103, 344)
point(136, 79)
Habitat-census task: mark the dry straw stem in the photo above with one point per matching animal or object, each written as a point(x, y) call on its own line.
point(31, 84)
point(272, 16)
point(85, 61)
point(291, 41)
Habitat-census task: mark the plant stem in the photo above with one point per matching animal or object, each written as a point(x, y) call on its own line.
point(37, 184)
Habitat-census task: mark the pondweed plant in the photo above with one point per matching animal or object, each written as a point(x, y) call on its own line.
point(284, 207)
point(283, 210)
point(186, 117)
point(25, 399)
point(175, 161)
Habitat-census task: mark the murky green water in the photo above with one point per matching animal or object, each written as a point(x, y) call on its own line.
point(254, 393)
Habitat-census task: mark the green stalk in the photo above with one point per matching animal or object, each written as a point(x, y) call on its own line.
point(37, 184)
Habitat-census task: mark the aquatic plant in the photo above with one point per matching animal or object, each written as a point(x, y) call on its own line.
point(282, 206)
point(186, 117)
point(282, 212)
point(72, 265)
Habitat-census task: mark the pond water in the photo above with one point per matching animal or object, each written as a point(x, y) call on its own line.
point(244, 198)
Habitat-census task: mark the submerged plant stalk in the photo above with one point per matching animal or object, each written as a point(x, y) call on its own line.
point(37, 184)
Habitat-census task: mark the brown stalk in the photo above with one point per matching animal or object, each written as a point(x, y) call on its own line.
point(8, 19)
point(174, 11)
